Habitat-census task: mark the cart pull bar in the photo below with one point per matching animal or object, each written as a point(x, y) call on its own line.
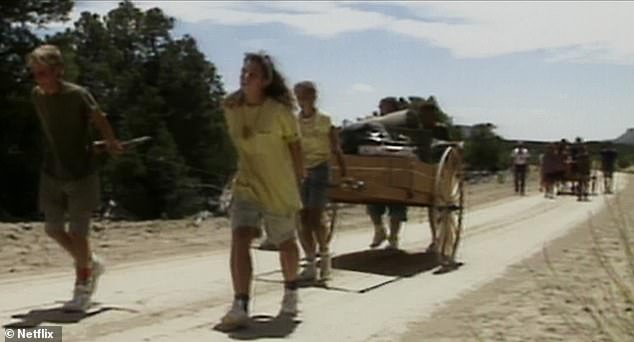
point(350, 183)
point(451, 207)
point(135, 141)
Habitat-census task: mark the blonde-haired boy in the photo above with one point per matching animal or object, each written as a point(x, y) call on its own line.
point(69, 183)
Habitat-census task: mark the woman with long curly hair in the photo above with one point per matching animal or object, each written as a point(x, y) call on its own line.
point(265, 133)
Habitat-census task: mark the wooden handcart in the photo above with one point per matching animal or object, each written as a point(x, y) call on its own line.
point(436, 183)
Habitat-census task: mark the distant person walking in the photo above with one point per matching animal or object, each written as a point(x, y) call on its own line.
point(69, 183)
point(520, 157)
point(608, 165)
point(583, 165)
point(319, 144)
point(265, 133)
point(552, 168)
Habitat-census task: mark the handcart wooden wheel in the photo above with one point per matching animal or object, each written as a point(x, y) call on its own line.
point(446, 209)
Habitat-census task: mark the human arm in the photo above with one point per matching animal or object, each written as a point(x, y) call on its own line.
point(297, 157)
point(335, 148)
point(101, 123)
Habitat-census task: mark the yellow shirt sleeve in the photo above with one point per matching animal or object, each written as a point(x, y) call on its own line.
point(289, 127)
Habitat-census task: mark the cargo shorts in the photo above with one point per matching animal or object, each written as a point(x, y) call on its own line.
point(77, 198)
point(248, 214)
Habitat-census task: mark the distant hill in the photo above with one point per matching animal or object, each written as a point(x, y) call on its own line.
point(626, 138)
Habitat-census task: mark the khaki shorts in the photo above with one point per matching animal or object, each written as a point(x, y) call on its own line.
point(246, 214)
point(78, 198)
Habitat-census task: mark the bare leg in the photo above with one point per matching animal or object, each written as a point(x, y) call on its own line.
point(379, 230)
point(395, 227)
point(63, 239)
point(319, 230)
point(306, 235)
point(289, 259)
point(241, 264)
point(81, 246)
point(321, 233)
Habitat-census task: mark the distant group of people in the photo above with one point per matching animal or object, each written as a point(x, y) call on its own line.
point(571, 163)
point(562, 164)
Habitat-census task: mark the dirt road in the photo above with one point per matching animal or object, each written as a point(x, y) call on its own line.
point(374, 294)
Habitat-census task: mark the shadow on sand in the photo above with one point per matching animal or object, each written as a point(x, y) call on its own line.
point(386, 262)
point(386, 265)
point(262, 326)
point(55, 315)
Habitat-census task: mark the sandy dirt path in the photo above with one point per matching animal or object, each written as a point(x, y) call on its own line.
point(374, 294)
point(25, 249)
point(554, 294)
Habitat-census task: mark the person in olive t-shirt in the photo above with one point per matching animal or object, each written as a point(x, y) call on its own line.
point(69, 184)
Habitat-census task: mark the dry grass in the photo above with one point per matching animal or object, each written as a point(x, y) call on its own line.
point(608, 302)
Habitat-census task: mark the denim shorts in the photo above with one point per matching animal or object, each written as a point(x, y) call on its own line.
point(315, 186)
point(396, 211)
point(78, 198)
point(248, 214)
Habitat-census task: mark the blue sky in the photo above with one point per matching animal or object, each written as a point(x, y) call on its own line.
point(538, 70)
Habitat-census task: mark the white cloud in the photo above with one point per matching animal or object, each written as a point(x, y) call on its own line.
point(578, 31)
point(319, 19)
point(362, 88)
point(569, 31)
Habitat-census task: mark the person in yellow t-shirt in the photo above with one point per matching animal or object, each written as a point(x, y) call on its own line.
point(265, 133)
point(319, 142)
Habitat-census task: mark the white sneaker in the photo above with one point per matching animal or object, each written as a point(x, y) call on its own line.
point(236, 317)
point(325, 267)
point(309, 273)
point(81, 298)
point(289, 303)
point(98, 268)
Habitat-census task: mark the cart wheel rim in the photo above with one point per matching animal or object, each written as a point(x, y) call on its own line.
point(445, 215)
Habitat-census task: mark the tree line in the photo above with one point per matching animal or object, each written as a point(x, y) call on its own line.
point(147, 82)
